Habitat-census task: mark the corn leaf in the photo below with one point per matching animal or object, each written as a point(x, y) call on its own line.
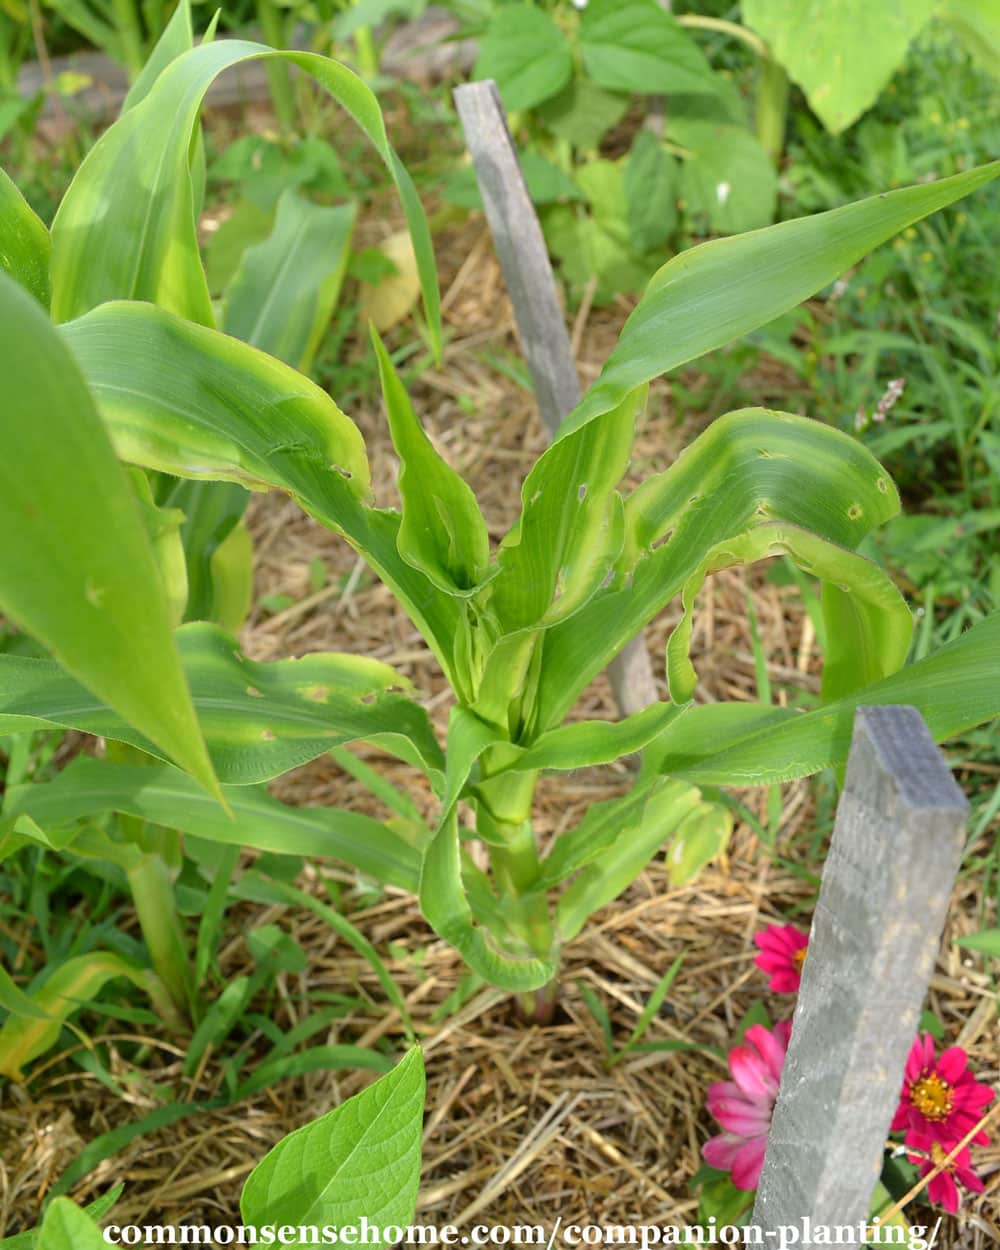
point(24, 242)
point(442, 532)
point(570, 531)
point(198, 404)
point(164, 796)
point(584, 744)
point(67, 988)
point(749, 469)
point(177, 38)
point(443, 898)
point(126, 227)
point(868, 625)
point(616, 866)
point(286, 288)
point(719, 291)
point(259, 720)
point(749, 744)
point(79, 571)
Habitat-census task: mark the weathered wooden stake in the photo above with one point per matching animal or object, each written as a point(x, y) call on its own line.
point(884, 896)
point(524, 260)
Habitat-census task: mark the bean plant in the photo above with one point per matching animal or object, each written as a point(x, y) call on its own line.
point(359, 1161)
point(112, 355)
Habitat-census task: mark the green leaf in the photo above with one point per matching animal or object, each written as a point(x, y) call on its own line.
point(177, 38)
point(587, 247)
point(748, 744)
point(78, 570)
point(635, 46)
point(868, 624)
point(231, 573)
point(442, 532)
point(614, 868)
point(584, 744)
point(126, 227)
point(582, 113)
point(67, 988)
point(212, 512)
point(361, 1159)
point(259, 719)
point(284, 293)
point(650, 184)
point(987, 941)
point(729, 179)
point(195, 403)
point(443, 899)
point(24, 242)
point(843, 54)
point(654, 1003)
point(65, 1226)
point(165, 797)
point(330, 1058)
point(977, 25)
point(526, 53)
point(15, 1002)
point(343, 928)
point(603, 823)
point(723, 289)
point(570, 530)
point(703, 836)
point(748, 469)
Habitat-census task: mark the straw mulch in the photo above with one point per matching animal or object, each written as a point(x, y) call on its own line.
point(523, 1123)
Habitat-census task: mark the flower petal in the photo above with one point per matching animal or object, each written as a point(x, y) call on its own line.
point(748, 1163)
point(719, 1152)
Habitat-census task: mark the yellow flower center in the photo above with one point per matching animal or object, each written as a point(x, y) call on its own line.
point(938, 1156)
point(799, 958)
point(932, 1097)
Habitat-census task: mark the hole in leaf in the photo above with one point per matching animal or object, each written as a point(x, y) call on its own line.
point(581, 493)
point(855, 511)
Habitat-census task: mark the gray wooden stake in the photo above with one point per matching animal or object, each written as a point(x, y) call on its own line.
point(524, 260)
point(896, 848)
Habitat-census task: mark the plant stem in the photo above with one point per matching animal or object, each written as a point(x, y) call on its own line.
point(130, 33)
point(504, 818)
point(733, 29)
point(278, 74)
point(772, 107)
point(364, 52)
point(156, 908)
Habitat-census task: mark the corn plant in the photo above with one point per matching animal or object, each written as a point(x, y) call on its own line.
point(134, 365)
point(182, 552)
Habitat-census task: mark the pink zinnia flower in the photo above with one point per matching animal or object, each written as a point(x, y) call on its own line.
point(782, 954)
point(940, 1100)
point(943, 1188)
point(743, 1105)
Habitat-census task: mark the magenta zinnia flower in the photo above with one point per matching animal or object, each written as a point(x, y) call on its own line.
point(782, 954)
point(743, 1105)
point(943, 1188)
point(940, 1100)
